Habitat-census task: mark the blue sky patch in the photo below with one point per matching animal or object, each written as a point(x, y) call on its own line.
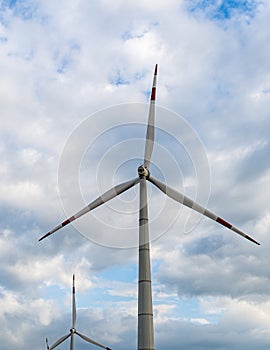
point(3, 40)
point(139, 32)
point(223, 9)
point(119, 79)
point(65, 59)
point(24, 9)
point(126, 273)
point(190, 309)
point(266, 91)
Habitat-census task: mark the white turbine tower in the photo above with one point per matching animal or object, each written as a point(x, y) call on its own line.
point(145, 307)
point(73, 330)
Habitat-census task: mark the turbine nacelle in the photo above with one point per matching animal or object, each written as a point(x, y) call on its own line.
point(143, 171)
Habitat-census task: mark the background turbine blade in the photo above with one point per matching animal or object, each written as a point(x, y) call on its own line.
point(110, 194)
point(73, 304)
point(150, 133)
point(59, 341)
point(89, 340)
point(47, 344)
point(179, 197)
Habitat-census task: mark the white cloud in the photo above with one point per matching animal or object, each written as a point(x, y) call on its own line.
point(60, 62)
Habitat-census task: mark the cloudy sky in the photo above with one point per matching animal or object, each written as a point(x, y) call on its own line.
point(75, 80)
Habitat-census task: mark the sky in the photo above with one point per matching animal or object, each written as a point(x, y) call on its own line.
point(75, 85)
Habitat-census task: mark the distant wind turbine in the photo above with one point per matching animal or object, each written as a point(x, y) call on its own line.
point(145, 306)
point(73, 330)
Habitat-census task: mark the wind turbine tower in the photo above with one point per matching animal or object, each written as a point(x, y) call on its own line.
point(73, 329)
point(145, 305)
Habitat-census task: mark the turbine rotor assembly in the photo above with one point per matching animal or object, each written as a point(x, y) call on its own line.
point(145, 306)
point(143, 171)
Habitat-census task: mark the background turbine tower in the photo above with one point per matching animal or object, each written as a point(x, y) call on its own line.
point(145, 308)
point(73, 329)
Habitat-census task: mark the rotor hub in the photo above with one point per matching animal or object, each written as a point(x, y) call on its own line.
point(143, 171)
point(72, 330)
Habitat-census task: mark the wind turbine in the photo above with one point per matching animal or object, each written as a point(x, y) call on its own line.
point(145, 307)
point(73, 330)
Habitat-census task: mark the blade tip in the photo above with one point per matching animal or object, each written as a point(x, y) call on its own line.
point(253, 240)
point(156, 68)
point(41, 238)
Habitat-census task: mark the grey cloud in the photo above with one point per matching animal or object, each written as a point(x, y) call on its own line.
point(255, 164)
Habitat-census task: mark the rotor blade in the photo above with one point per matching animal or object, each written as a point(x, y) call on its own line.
point(89, 340)
point(72, 341)
point(113, 192)
point(47, 344)
point(59, 341)
point(73, 304)
point(150, 134)
point(179, 197)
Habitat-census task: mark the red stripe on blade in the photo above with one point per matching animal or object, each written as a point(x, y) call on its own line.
point(68, 221)
point(153, 94)
point(65, 222)
point(224, 223)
